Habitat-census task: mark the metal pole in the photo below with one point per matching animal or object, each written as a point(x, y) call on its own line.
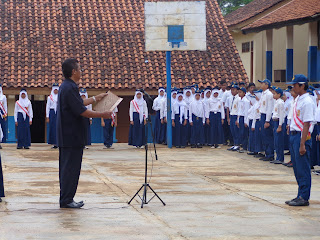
point(169, 121)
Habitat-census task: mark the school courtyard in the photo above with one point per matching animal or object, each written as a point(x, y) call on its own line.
point(210, 194)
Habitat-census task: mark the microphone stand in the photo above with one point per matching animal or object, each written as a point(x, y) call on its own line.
point(145, 186)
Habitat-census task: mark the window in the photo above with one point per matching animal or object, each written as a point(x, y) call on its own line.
point(246, 47)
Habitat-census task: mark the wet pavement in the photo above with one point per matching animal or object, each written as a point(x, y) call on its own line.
point(210, 194)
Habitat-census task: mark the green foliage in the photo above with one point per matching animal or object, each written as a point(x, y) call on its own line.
point(227, 6)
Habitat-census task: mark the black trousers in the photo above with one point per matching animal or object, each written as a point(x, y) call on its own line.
point(70, 160)
point(1, 181)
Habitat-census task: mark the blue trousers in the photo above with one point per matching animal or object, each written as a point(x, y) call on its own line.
point(255, 142)
point(137, 132)
point(286, 136)
point(1, 181)
point(23, 131)
point(234, 129)
point(226, 130)
point(301, 165)
point(216, 131)
point(243, 133)
point(179, 132)
point(279, 140)
point(197, 131)
point(108, 132)
point(4, 128)
point(267, 137)
point(52, 136)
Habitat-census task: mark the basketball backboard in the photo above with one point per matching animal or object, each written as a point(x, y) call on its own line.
point(175, 26)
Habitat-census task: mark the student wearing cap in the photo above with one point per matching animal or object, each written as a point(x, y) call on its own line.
point(84, 95)
point(3, 115)
point(23, 115)
point(300, 139)
point(266, 108)
point(188, 98)
point(207, 97)
point(243, 120)
point(278, 116)
point(197, 120)
point(232, 114)
point(159, 127)
point(138, 114)
point(287, 98)
point(226, 128)
point(51, 115)
point(179, 121)
point(255, 141)
point(108, 126)
point(214, 111)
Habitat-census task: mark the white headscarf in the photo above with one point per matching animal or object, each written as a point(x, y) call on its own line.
point(189, 99)
point(1, 94)
point(180, 105)
point(197, 106)
point(213, 98)
point(164, 95)
point(54, 97)
point(24, 102)
point(140, 103)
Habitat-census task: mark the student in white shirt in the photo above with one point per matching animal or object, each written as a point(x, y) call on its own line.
point(207, 97)
point(197, 121)
point(108, 128)
point(266, 107)
point(51, 115)
point(278, 116)
point(188, 98)
point(316, 147)
point(287, 98)
point(232, 112)
point(179, 122)
point(214, 111)
point(3, 115)
point(243, 120)
point(138, 114)
point(159, 125)
point(224, 94)
point(300, 139)
point(23, 115)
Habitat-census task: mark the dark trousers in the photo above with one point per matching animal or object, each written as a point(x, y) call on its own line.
point(70, 160)
point(1, 181)
point(301, 165)
point(226, 130)
point(243, 133)
point(234, 129)
point(108, 132)
point(278, 140)
point(267, 137)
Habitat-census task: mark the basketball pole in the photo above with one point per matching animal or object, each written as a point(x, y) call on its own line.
point(169, 121)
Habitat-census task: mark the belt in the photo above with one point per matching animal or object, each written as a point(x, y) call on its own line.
point(294, 132)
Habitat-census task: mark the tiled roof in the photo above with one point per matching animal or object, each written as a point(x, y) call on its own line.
point(295, 11)
point(248, 11)
point(108, 39)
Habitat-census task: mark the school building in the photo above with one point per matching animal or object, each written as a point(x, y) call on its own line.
point(277, 39)
point(107, 37)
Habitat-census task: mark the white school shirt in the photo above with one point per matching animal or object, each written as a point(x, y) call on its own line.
point(18, 109)
point(232, 104)
point(197, 108)
point(225, 97)
point(4, 103)
point(287, 106)
point(158, 103)
point(50, 105)
point(317, 113)
point(215, 106)
point(175, 110)
point(266, 104)
point(290, 114)
point(252, 99)
point(243, 108)
point(256, 114)
point(133, 110)
point(279, 111)
point(303, 111)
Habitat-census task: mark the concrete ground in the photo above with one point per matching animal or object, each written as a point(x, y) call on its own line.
point(210, 194)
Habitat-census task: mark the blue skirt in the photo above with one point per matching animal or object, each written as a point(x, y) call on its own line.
point(1, 181)
point(157, 127)
point(52, 136)
point(23, 131)
point(137, 132)
point(4, 128)
point(179, 132)
point(207, 134)
point(108, 132)
point(197, 131)
point(216, 131)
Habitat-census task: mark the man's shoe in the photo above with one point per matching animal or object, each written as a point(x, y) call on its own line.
point(26, 148)
point(268, 159)
point(73, 204)
point(236, 148)
point(252, 153)
point(277, 162)
point(241, 151)
point(290, 164)
point(19, 147)
point(299, 202)
point(287, 153)
point(0, 200)
point(0, 147)
point(287, 202)
point(231, 149)
point(54, 147)
point(193, 146)
point(263, 158)
point(199, 146)
point(259, 155)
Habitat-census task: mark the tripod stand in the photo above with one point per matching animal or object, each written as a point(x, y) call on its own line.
point(146, 185)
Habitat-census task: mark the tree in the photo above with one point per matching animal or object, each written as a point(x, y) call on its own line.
point(227, 6)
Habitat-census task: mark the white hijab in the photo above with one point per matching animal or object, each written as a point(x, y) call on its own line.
point(24, 102)
point(140, 103)
point(54, 97)
point(213, 98)
point(197, 106)
point(188, 100)
point(164, 95)
point(180, 105)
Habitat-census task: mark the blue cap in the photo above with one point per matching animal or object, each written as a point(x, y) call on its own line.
point(258, 91)
point(299, 78)
point(267, 81)
point(312, 88)
point(310, 92)
point(290, 88)
point(235, 86)
point(243, 89)
point(83, 90)
point(278, 90)
point(55, 85)
point(242, 83)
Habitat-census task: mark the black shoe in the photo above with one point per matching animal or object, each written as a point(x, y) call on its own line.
point(183, 146)
point(236, 148)
point(73, 204)
point(178, 147)
point(231, 149)
point(263, 158)
point(252, 153)
point(19, 147)
point(277, 162)
point(54, 147)
point(26, 148)
point(285, 164)
point(259, 155)
point(268, 159)
point(0, 200)
point(241, 151)
point(199, 146)
point(287, 153)
point(0, 147)
point(299, 202)
point(287, 202)
point(193, 146)
point(290, 164)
